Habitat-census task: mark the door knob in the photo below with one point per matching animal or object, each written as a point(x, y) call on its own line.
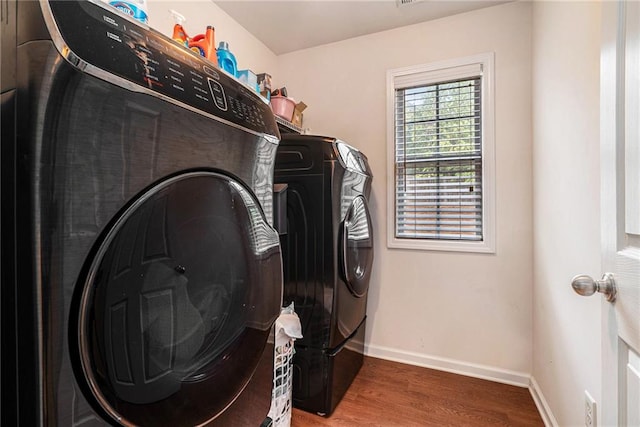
point(586, 286)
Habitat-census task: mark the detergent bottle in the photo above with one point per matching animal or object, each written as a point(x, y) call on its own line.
point(179, 33)
point(134, 8)
point(205, 44)
point(226, 59)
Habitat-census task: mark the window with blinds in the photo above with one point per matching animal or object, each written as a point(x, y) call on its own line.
point(440, 120)
point(438, 161)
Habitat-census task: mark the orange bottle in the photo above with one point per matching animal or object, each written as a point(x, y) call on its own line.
point(179, 33)
point(205, 44)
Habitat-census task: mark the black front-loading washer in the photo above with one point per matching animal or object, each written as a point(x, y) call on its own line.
point(141, 274)
point(327, 259)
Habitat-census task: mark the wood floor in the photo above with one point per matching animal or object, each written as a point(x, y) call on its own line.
point(390, 394)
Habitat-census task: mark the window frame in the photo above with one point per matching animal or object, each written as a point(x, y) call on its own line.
point(481, 65)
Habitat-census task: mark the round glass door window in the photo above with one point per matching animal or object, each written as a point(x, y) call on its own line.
point(179, 302)
point(357, 247)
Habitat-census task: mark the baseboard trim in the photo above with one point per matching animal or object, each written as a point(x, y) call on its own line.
point(519, 379)
point(484, 372)
point(542, 405)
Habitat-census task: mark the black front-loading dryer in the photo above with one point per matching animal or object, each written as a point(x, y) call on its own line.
point(327, 258)
point(141, 275)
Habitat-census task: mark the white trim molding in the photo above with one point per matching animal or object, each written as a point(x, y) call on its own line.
point(541, 403)
point(520, 379)
point(490, 373)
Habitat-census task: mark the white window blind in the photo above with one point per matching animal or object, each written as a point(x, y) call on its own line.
point(440, 132)
point(438, 161)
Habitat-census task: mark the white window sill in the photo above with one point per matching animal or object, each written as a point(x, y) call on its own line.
point(442, 245)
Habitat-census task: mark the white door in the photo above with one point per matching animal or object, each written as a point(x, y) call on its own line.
point(620, 196)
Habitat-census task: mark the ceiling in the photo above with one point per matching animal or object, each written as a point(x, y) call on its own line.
point(287, 26)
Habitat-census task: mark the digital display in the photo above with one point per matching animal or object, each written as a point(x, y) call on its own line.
point(106, 40)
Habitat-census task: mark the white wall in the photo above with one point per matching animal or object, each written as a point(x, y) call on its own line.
point(566, 340)
point(250, 52)
point(450, 310)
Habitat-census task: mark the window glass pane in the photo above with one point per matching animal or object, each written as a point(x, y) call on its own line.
point(439, 161)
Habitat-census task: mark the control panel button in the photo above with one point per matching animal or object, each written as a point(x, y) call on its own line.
point(218, 94)
point(213, 73)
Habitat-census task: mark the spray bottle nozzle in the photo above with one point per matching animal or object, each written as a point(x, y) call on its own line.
point(177, 17)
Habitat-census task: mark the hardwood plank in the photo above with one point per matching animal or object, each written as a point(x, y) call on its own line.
point(389, 394)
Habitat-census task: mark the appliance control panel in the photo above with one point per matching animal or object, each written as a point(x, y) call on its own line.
point(100, 36)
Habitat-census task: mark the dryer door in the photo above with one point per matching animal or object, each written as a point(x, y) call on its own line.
point(357, 247)
point(178, 302)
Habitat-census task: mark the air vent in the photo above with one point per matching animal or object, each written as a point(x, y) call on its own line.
point(401, 3)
